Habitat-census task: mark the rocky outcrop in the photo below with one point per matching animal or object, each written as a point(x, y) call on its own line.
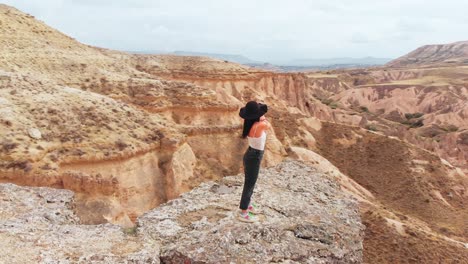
point(306, 218)
point(38, 225)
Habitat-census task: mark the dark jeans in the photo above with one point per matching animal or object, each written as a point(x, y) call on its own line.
point(252, 159)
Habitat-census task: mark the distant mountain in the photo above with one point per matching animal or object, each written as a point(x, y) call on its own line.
point(228, 57)
point(430, 55)
point(147, 52)
point(291, 65)
point(338, 61)
point(241, 59)
point(321, 64)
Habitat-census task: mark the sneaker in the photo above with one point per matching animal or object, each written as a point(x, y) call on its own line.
point(248, 217)
point(253, 208)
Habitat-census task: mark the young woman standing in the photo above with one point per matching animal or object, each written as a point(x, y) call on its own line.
point(255, 127)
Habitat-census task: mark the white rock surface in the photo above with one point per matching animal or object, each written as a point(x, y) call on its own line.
point(35, 133)
point(38, 225)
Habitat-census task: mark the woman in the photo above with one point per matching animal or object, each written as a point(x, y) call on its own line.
point(255, 127)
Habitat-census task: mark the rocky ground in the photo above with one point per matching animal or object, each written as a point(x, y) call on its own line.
point(305, 219)
point(38, 225)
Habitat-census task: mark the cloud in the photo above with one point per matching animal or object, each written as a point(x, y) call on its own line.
point(261, 29)
point(359, 38)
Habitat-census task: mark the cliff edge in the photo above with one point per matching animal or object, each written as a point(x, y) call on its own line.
point(306, 218)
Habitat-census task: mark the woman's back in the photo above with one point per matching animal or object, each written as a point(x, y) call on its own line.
point(257, 136)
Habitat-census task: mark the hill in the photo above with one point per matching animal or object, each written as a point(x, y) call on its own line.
point(365, 61)
point(228, 57)
point(434, 55)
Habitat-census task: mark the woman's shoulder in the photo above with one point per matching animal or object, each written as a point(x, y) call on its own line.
point(264, 124)
point(261, 125)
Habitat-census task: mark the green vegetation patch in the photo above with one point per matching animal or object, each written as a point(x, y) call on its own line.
point(371, 127)
point(413, 115)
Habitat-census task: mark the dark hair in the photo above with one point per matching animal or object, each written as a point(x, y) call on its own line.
point(248, 123)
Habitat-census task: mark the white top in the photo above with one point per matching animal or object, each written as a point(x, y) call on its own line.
point(257, 142)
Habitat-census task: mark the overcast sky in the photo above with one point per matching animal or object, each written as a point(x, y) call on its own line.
point(267, 30)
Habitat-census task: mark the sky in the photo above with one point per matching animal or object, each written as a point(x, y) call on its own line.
point(264, 30)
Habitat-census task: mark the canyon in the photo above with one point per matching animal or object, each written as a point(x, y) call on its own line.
point(125, 133)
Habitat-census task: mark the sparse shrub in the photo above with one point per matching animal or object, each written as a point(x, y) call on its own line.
point(406, 122)
point(418, 123)
point(414, 115)
point(55, 120)
point(22, 165)
point(8, 146)
point(46, 167)
point(121, 145)
point(412, 121)
point(431, 132)
point(51, 111)
point(445, 230)
point(131, 231)
point(451, 128)
point(53, 157)
point(364, 109)
point(326, 101)
point(333, 105)
point(463, 139)
point(380, 111)
point(371, 127)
